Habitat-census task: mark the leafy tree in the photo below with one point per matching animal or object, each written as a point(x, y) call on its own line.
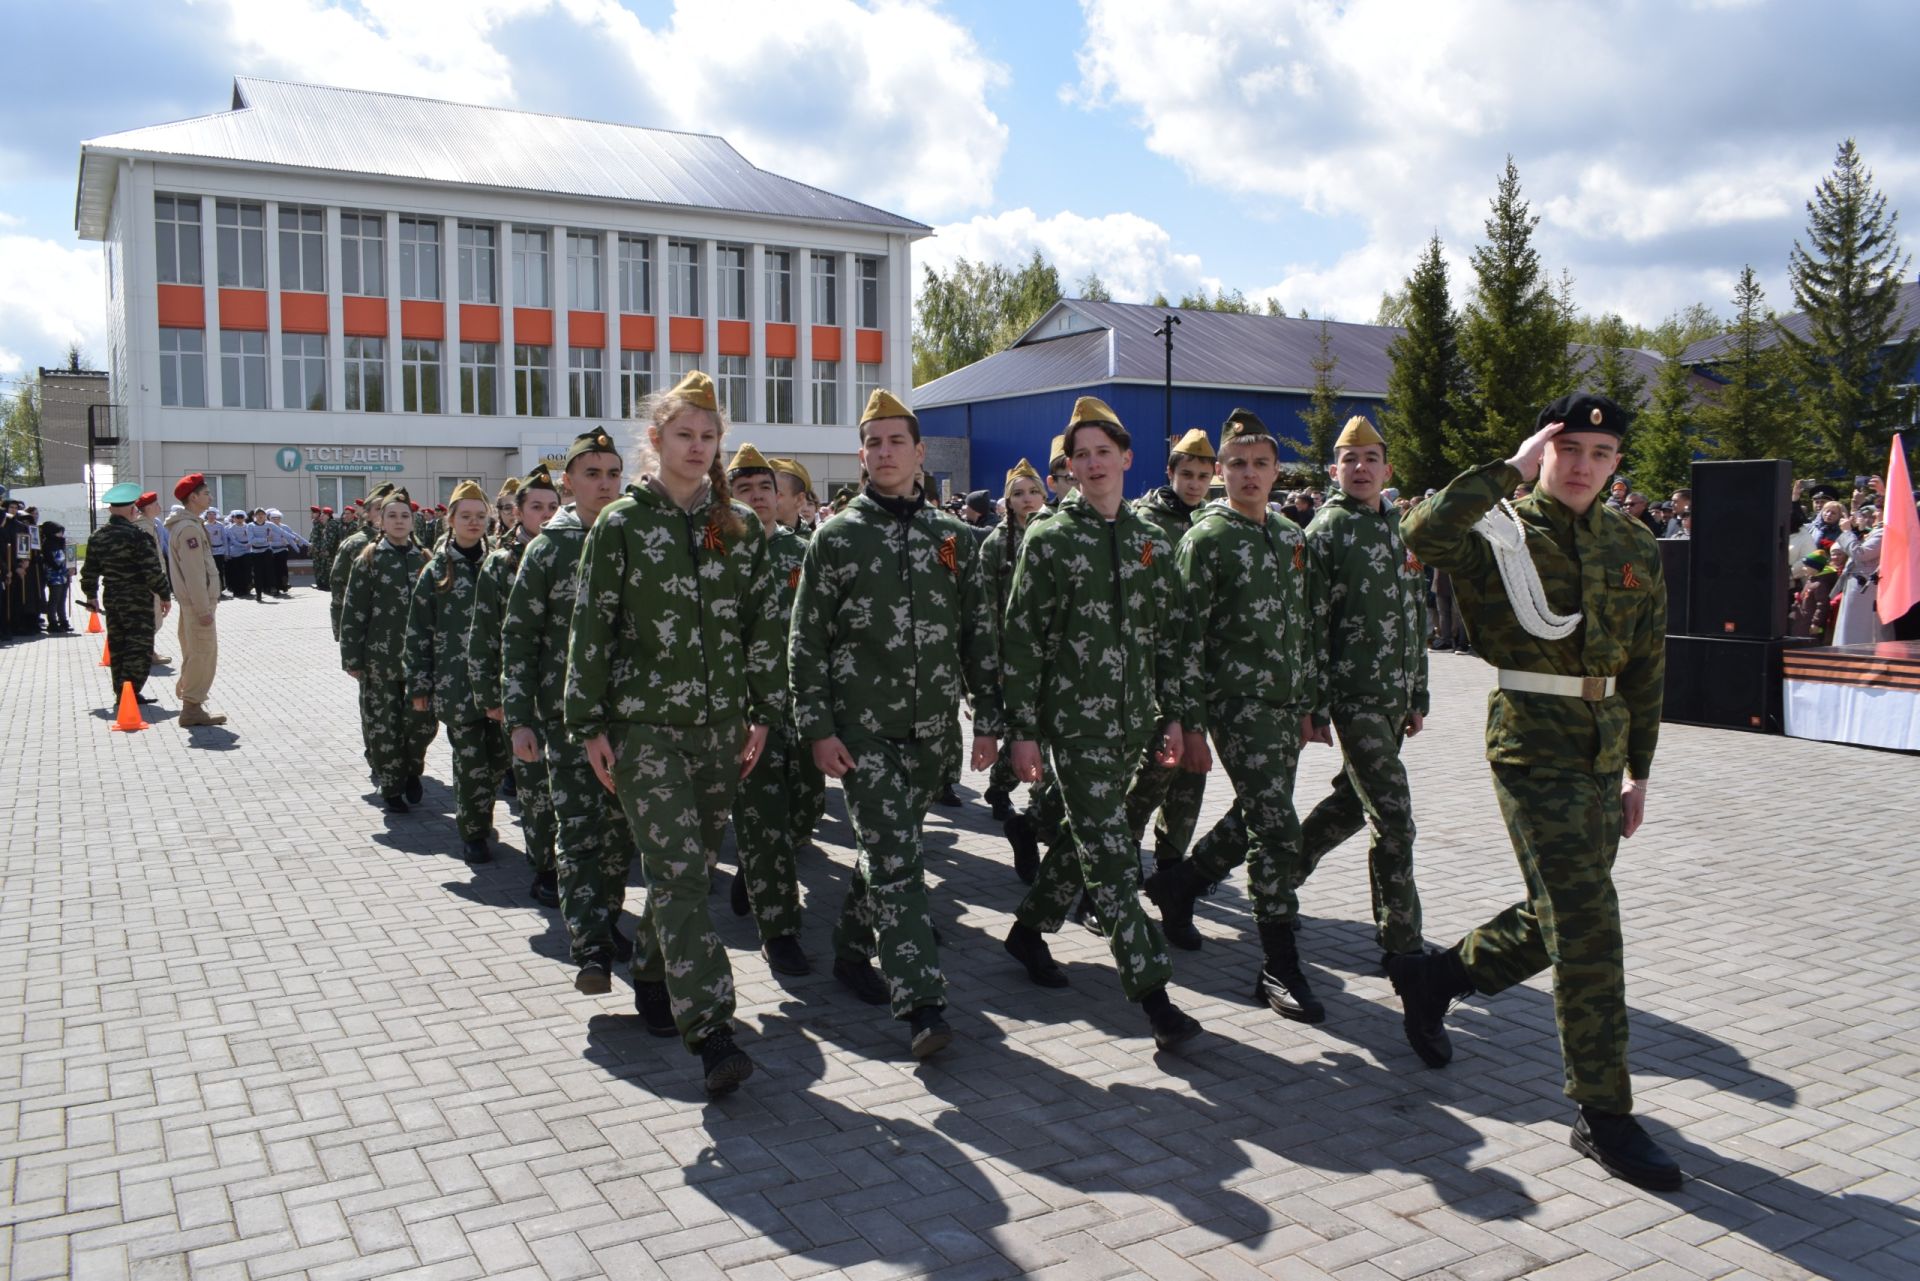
point(1610, 369)
point(1395, 305)
point(1094, 289)
point(1222, 300)
point(1751, 415)
point(976, 309)
point(1159, 299)
point(1660, 442)
point(1322, 415)
point(1273, 306)
point(20, 449)
point(1427, 380)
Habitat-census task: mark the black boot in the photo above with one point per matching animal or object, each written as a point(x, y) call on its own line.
point(622, 945)
point(414, 791)
point(860, 978)
point(1172, 888)
point(395, 803)
point(1171, 1026)
point(784, 956)
point(1026, 945)
point(593, 979)
point(475, 851)
point(546, 888)
point(655, 1008)
point(1182, 933)
point(1617, 1141)
point(1085, 915)
point(1026, 847)
point(724, 1064)
point(948, 797)
point(737, 896)
point(930, 1032)
point(1429, 983)
point(1002, 803)
point(1282, 984)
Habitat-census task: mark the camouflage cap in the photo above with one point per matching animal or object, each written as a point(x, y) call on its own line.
point(594, 440)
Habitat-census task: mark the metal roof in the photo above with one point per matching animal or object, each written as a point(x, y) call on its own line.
point(352, 131)
point(1710, 351)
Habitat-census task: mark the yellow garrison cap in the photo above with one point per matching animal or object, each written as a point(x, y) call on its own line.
point(594, 440)
point(538, 478)
point(1359, 431)
point(1090, 409)
point(1195, 445)
point(508, 489)
point(697, 390)
point(747, 458)
point(884, 404)
point(794, 468)
point(464, 490)
point(1022, 468)
point(1056, 451)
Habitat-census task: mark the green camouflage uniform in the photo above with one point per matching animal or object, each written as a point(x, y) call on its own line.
point(592, 845)
point(1557, 760)
point(373, 642)
point(888, 623)
point(1255, 676)
point(1176, 793)
point(1095, 629)
point(128, 560)
point(316, 542)
point(439, 619)
point(675, 649)
point(340, 572)
point(1370, 623)
point(766, 806)
point(484, 658)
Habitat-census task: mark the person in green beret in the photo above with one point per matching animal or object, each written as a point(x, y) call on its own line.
point(128, 561)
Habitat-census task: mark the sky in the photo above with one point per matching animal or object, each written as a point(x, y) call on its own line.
point(1299, 150)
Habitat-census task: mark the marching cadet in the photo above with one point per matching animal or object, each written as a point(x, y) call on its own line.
point(347, 554)
point(1024, 496)
point(1060, 479)
point(1256, 680)
point(808, 803)
point(1094, 669)
point(768, 882)
point(316, 539)
point(593, 846)
point(1175, 793)
point(674, 674)
point(373, 650)
point(196, 578)
point(129, 562)
point(888, 621)
point(326, 537)
point(440, 675)
point(1564, 595)
point(535, 500)
point(1370, 631)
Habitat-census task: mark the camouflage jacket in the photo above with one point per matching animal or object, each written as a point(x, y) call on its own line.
point(677, 623)
point(1370, 611)
point(439, 618)
point(889, 621)
point(340, 571)
point(1249, 600)
point(128, 559)
point(1604, 565)
point(1165, 510)
point(1095, 628)
point(489, 610)
point(998, 555)
point(533, 634)
point(373, 613)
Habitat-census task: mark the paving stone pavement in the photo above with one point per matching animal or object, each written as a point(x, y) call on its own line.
point(252, 1027)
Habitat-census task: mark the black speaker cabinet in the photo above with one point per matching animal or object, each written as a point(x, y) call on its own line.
point(1676, 567)
point(1738, 584)
point(1726, 683)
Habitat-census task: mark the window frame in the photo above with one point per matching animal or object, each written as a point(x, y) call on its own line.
point(477, 375)
point(307, 263)
point(243, 363)
point(170, 229)
point(586, 382)
point(866, 272)
point(635, 267)
point(414, 381)
point(300, 369)
point(413, 266)
point(250, 267)
point(733, 387)
point(523, 255)
point(779, 286)
point(683, 291)
point(823, 277)
point(826, 383)
point(538, 378)
point(366, 371)
point(583, 271)
point(358, 249)
point(730, 282)
point(470, 254)
point(775, 396)
point(636, 380)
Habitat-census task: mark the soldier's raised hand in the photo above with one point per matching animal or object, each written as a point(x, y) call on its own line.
point(1526, 460)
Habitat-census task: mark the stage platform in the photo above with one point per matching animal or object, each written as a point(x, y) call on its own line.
point(1863, 694)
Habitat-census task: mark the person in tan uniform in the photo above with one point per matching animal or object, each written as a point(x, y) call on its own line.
point(196, 585)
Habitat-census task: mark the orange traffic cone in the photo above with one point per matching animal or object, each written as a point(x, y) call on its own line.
point(93, 623)
point(129, 717)
point(106, 659)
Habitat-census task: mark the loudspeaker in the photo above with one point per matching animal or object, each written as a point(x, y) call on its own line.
point(1725, 683)
point(1676, 567)
point(1738, 584)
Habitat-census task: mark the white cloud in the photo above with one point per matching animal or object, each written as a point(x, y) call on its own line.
point(50, 295)
point(1133, 256)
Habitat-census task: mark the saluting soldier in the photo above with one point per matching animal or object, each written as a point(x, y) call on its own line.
point(373, 650)
point(196, 579)
point(1564, 595)
point(889, 624)
point(347, 554)
point(128, 561)
point(1095, 671)
point(1024, 495)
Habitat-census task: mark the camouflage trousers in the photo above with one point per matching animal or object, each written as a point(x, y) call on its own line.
point(479, 750)
point(763, 831)
point(1565, 826)
point(1371, 791)
point(130, 638)
point(1001, 779)
point(807, 791)
point(536, 807)
point(1176, 794)
point(396, 735)
point(1099, 858)
point(676, 784)
point(1046, 807)
point(592, 849)
point(951, 752)
point(1259, 744)
point(885, 918)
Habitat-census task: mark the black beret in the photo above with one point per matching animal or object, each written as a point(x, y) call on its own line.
point(1825, 491)
point(1584, 411)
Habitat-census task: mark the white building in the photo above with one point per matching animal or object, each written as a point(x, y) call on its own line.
point(324, 288)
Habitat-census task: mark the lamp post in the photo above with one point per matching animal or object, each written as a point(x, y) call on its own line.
point(1166, 331)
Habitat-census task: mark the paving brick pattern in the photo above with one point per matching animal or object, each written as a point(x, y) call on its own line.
point(252, 1027)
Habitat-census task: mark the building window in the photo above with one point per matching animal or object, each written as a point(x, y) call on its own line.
point(420, 375)
point(420, 262)
point(779, 390)
point(680, 364)
point(243, 369)
point(735, 393)
point(183, 367)
point(303, 371)
point(866, 381)
point(337, 491)
point(241, 237)
point(730, 262)
point(176, 227)
point(366, 364)
point(826, 392)
point(583, 272)
point(229, 492)
point(363, 254)
point(636, 380)
point(868, 301)
point(530, 268)
point(477, 254)
point(683, 278)
point(585, 382)
point(479, 378)
point(636, 275)
point(779, 286)
point(532, 367)
point(303, 249)
point(826, 278)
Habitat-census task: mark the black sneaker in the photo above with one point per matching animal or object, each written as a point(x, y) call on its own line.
point(592, 979)
point(724, 1063)
point(394, 803)
point(414, 791)
point(930, 1032)
point(1624, 1149)
point(1173, 1027)
point(621, 944)
point(860, 978)
point(1002, 804)
point(1026, 846)
point(1281, 982)
point(1026, 945)
point(655, 1009)
point(948, 797)
point(737, 896)
point(475, 851)
point(1428, 984)
point(1085, 915)
point(546, 888)
point(784, 956)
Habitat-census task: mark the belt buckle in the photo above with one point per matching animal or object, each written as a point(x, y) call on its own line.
point(1593, 688)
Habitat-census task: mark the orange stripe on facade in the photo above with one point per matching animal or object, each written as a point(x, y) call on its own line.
point(479, 322)
point(867, 346)
point(686, 333)
point(243, 309)
point(423, 319)
point(363, 317)
point(826, 343)
point(533, 325)
point(783, 341)
point(183, 307)
point(586, 329)
point(303, 313)
point(736, 338)
point(636, 333)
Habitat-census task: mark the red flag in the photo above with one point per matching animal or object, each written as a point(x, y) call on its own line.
point(1899, 542)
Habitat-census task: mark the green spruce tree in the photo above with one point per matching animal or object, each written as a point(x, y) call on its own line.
point(1751, 415)
point(1427, 380)
point(1609, 367)
point(1322, 415)
point(1660, 442)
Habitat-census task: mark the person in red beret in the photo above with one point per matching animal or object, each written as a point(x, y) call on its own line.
point(143, 517)
point(196, 585)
